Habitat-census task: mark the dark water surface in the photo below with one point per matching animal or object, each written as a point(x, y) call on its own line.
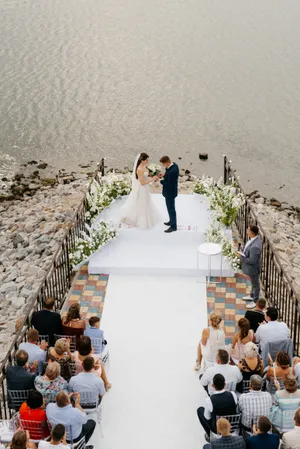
point(85, 78)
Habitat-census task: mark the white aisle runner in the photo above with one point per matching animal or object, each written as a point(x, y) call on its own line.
point(152, 325)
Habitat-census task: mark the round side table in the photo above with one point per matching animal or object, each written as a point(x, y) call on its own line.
point(209, 250)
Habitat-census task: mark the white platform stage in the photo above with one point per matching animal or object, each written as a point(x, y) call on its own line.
point(137, 251)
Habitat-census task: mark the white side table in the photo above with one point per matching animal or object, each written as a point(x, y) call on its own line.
point(209, 249)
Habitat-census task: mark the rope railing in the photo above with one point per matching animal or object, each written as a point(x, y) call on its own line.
point(276, 283)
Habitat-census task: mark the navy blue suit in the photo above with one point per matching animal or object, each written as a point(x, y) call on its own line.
point(170, 191)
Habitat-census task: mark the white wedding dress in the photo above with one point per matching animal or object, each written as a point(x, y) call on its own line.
point(139, 210)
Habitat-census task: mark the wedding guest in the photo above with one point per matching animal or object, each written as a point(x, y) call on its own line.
point(231, 373)
point(227, 441)
point(287, 399)
point(256, 316)
point(251, 264)
point(17, 376)
point(291, 439)
point(94, 331)
point(21, 440)
point(47, 321)
point(51, 382)
point(33, 410)
point(273, 330)
point(85, 350)
point(254, 404)
point(281, 367)
point(250, 364)
point(261, 438)
point(245, 335)
point(72, 323)
point(58, 439)
point(86, 381)
point(220, 403)
point(36, 351)
point(212, 339)
point(61, 353)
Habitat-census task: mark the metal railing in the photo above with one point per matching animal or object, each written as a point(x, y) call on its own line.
point(55, 284)
point(277, 286)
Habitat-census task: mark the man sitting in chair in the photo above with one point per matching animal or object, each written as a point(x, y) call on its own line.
point(227, 441)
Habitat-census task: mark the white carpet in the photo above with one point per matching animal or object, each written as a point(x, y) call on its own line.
point(153, 325)
point(152, 251)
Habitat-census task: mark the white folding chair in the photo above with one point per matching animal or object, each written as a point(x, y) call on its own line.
point(91, 403)
point(36, 429)
point(246, 386)
point(234, 421)
point(7, 429)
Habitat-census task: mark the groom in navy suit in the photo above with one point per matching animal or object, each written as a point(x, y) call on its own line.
point(170, 190)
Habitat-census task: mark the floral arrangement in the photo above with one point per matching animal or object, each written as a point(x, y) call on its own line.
point(225, 202)
point(205, 186)
point(229, 251)
point(92, 240)
point(214, 235)
point(103, 193)
point(154, 169)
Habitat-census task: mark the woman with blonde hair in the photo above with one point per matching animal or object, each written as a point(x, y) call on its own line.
point(21, 440)
point(61, 354)
point(51, 382)
point(212, 339)
point(250, 364)
point(241, 338)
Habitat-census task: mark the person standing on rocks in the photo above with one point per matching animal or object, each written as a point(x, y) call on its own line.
point(251, 264)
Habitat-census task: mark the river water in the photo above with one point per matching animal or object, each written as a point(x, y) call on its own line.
point(86, 78)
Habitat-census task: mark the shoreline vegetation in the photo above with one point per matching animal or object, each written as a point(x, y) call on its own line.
point(39, 203)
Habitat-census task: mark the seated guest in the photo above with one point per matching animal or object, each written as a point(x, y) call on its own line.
point(33, 410)
point(256, 316)
point(273, 330)
point(94, 331)
point(51, 382)
point(287, 399)
point(18, 377)
point(254, 404)
point(21, 440)
point(227, 441)
point(291, 439)
point(250, 364)
point(231, 373)
point(213, 339)
point(35, 349)
point(261, 438)
point(281, 367)
point(85, 350)
point(245, 335)
point(72, 323)
point(58, 439)
point(220, 403)
point(47, 321)
point(62, 355)
point(87, 381)
point(73, 418)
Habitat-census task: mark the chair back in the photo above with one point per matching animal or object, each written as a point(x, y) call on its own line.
point(76, 332)
point(97, 344)
point(78, 445)
point(38, 430)
point(234, 421)
point(246, 386)
point(274, 347)
point(44, 337)
point(71, 338)
point(271, 387)
point(89, 400)
point(16, 398)
point(287, 420)
point(7, 429)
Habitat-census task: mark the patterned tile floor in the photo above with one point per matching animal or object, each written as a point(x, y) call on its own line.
point(89, 291)
point(226, 297)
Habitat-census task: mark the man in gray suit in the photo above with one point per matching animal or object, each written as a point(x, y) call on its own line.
point(251, 264)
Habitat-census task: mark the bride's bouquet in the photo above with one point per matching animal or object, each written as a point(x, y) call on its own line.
point(154, 169)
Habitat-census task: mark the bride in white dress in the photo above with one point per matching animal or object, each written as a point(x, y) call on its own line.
point(139, 210)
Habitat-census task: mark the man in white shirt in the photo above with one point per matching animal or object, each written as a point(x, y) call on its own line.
point(73, 418)
point(36, 351)
point(273, 330)
point(58, 439)
point(87, 381)
point(291, 439)
point(231, 373)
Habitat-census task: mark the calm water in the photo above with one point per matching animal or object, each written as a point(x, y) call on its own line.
point(85, 78)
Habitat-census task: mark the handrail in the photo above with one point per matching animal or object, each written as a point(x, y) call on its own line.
point(278, 288)
point(55, 283)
